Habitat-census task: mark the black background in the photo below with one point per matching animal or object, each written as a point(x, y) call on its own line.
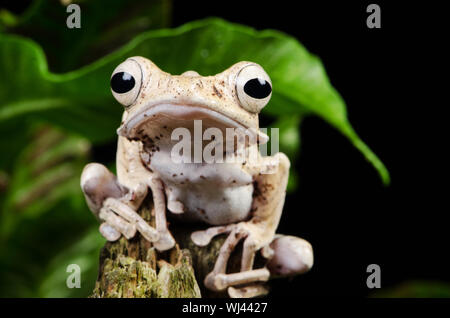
point(341, 206)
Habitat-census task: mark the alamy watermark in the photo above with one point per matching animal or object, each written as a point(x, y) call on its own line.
point(74, 279)
point(374, 279)
point(243, 146)
point(374, 19)
point(73, 21)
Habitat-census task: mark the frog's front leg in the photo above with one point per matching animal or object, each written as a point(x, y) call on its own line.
point(132, 172)
point(258, 232)
point(114, 204)
point(166, 240)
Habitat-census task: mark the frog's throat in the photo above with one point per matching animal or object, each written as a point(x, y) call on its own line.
point(129, 127)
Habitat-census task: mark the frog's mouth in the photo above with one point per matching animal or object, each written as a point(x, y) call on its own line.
point(177, 115)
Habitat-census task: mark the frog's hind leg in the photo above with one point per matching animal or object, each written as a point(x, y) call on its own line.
point(166, 240)
point(217, 279)
point(287, 256)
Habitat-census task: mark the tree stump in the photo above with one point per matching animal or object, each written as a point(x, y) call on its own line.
point(134, 269)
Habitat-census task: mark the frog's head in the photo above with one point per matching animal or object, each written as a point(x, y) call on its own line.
point(154, 99)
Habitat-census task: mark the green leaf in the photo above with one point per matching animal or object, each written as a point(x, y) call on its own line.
point(104, 26)
point(46, 171)
point(81, 100)
point(84, 253)
point(289, 135)
point(44, 247)
point(289, 143)
point(42, 202)
point(415, 289)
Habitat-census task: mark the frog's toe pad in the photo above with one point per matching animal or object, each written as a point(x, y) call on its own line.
point(175, 207)
point(200, 238)
point(109, 233)
point(292, 256)
point(165, 242)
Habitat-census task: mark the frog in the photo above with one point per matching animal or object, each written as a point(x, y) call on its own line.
point(240, 199)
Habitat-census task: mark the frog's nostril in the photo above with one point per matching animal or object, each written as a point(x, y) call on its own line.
point(122, 82)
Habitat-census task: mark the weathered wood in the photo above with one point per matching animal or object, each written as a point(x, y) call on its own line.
point(133, 268)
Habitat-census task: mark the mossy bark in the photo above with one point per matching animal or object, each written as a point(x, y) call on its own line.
point(134, 269)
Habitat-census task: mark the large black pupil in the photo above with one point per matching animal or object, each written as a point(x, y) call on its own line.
point(122, 82)
point(257, 88)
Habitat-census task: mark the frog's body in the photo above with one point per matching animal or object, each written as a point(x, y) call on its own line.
point(238, 197)
point(216, 194)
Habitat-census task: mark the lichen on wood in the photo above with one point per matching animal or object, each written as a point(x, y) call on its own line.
point(134, 269)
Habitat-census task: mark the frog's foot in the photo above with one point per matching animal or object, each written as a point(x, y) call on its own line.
point(291, 256)
point(98, 183)
point(204, 237)
point(108, 232)
point(165, 241)
point(287, 256)
point(175, 206)
point(114, 204)
point(123, 218)
point(115, 225)
point(220, 281)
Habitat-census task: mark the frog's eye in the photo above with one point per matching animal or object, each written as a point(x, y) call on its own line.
point(253, 87)
point(126, 82)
